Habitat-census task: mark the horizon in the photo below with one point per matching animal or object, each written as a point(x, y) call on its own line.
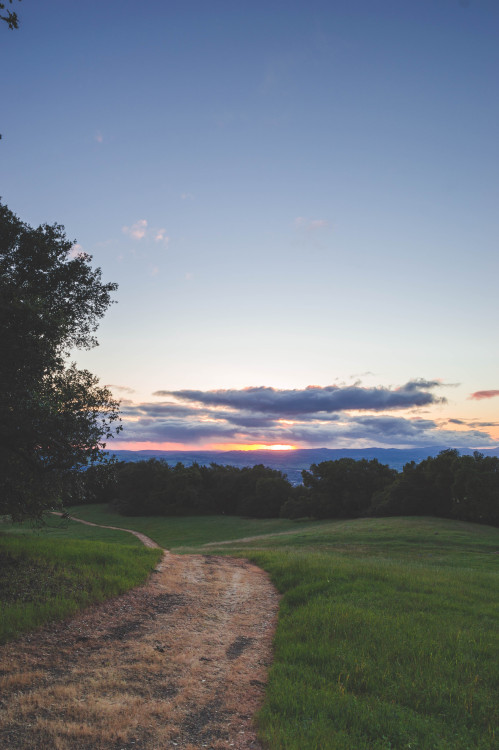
point(432, 450)
point(298, 203)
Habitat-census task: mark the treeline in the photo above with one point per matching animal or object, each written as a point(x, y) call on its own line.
point(153, 488)
point(448, 485)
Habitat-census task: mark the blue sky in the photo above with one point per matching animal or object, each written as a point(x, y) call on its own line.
point(288, 194)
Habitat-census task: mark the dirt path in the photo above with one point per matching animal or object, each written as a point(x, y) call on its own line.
point(180, 662)
point(147, 541)
point(242, 538)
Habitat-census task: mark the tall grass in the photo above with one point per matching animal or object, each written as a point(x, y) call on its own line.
point(46, 578)
point(387, 636)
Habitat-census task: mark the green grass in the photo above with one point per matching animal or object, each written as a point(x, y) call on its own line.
point(49, 574)
point(177, 532)
point(387, 635)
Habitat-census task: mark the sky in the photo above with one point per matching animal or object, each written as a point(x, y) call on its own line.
point(297, 199)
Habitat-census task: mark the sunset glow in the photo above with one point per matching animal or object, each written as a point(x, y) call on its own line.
point(156, 446)
point(254, 447)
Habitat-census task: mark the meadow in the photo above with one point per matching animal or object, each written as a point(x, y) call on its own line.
point(387, 634)
point(50, 573)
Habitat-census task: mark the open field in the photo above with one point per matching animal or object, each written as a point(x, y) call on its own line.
point(387, 634)
point(173, 532)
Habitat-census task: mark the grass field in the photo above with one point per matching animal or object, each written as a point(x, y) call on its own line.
point(387, 635)
point(179, 532)
point(48, 574)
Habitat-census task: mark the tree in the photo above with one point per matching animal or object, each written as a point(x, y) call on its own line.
point(344, 488)
point(54, 418)
point(11, 18)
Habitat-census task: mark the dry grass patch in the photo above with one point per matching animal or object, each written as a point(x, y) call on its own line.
point(181, 660)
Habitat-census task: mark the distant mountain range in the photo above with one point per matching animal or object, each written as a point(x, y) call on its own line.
point(292, 462)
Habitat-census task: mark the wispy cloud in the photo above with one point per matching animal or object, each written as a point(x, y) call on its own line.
point(120, 388)
point(473, 423)
point(310, 225)
point(99, 138)
point(479, 395)
point(137, 231)
point(161, 236)
point(141, 230)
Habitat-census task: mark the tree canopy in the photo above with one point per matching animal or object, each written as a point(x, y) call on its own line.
point(54, 418)
point(10, 16)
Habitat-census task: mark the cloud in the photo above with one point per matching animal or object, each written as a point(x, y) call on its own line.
point(137, 230)
point(310, 225)
point(160, 236)
point(314, 399)
point(479, 395)
point(174, 423)
point(120, 388)
point(76, 251)
point(99, 138)
point(334, 416)
point(473, 423)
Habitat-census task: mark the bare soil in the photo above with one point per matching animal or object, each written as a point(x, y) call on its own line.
point(180, 662)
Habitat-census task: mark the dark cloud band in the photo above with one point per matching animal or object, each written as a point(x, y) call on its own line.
point(314, 399)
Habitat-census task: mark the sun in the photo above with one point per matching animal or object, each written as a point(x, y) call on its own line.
point(266, 447)
point(253, 447)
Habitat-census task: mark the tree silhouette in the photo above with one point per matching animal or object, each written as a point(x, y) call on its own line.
point(54, 418)
point(11, 18)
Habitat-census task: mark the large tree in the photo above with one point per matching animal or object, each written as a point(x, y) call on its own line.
point(54, 418)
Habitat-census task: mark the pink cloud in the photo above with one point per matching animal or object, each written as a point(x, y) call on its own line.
point(76, 251)
point(310, 225)
point(137, 230)
point(161, 236)
point(479, 395)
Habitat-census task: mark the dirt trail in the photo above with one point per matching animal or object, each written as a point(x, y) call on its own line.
point(180, 662)
point(147, 541)
point(244, 538)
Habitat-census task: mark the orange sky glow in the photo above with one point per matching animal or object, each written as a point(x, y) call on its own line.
point(136, 446)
